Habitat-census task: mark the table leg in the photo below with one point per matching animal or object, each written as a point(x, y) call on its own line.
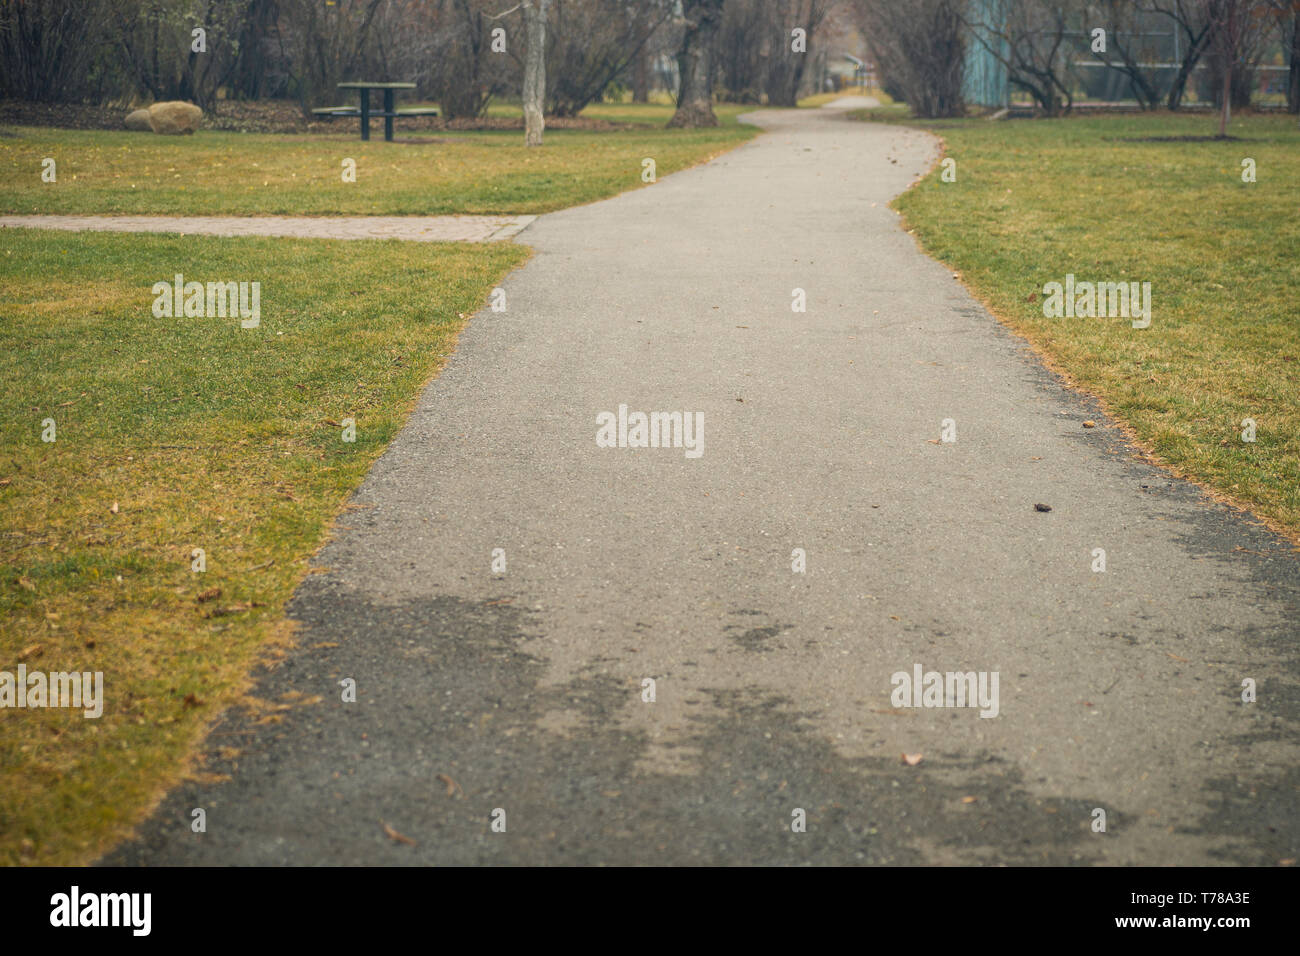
point(365, 113)
point(388, 116)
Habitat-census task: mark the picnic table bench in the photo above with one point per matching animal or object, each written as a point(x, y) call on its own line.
point(388, 112)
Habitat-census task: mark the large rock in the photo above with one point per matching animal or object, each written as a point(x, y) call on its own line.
point(174, 117)
point(138, 121)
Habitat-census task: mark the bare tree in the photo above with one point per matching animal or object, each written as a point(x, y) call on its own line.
point(597, 40)
point(1122, 20)
point(920, 48)
point(695, 60)
point(1286, 14)
point(786, 70)
point(745, 38)
point(1034, 50)
point(45, 47)
point(1194, 18)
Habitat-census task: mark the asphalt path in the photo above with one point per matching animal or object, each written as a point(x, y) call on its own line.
point(523, 691)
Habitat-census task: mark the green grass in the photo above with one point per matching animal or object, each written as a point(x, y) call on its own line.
point(204, 435)
point(1035, 200)
point(452, 173)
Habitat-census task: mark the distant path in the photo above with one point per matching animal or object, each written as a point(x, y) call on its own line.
point(852, 103)
point(414, 228)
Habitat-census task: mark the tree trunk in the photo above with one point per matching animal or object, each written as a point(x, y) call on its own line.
point(1293, 71)
point(641, 76)
point(695, 61)
point(1228, 37)
point(1196, 46)
point(534, 70)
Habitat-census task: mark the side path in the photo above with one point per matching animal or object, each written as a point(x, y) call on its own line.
point(411, 228)
point(519, 692)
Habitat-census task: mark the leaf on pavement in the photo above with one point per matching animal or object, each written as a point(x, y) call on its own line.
point(452, 785)
point(395, 836)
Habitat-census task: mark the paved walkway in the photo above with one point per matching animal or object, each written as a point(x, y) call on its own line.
point(414, 228)
point(851, 103)
point(523, 691)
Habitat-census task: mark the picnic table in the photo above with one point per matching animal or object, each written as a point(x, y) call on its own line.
point(388, 113)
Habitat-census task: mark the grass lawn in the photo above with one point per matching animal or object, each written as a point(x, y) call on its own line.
point(461, 173)
point(1037, 199)
point(174, 434)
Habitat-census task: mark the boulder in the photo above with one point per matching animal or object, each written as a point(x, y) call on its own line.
point(138, 121)
point(174, 117)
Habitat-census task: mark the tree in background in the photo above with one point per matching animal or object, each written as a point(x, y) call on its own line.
point(1126, 49)
point(46, 50)
point(919, 46)
point(165, 57)
point(745, 38)
point(1193, 18)
point(786, 66)
point(695, 61)
point(1240, 30)
point(596, 41)
point(1034, 48)
point(1286, 14)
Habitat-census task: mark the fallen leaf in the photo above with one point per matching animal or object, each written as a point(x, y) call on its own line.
point(969, 799)
point(114, 508)
point(1090, 424)
point(1042, 507)
point(911, 759)
point(452, 785)
point(395, 836)
point(208, 595)
point(1177, 658)
point(26, 584)
point(191, 701)
point(30, 651)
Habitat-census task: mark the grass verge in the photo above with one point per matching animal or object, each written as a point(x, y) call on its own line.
point(1119, 199)
point(172, 435)
point(453, 173)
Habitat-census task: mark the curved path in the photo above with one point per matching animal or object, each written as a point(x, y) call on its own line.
point(523, 691)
